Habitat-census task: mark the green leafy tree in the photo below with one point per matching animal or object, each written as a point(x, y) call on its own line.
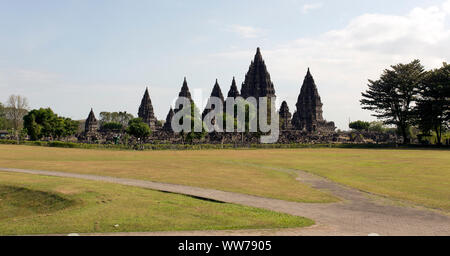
point(59, 127)
point(138, 128)
point(376, 126)
point(194, 117)
point(39, 123)
point(70, 127)
point(359, 125)
point(33, 128)
point(390, 97)
point(44, 122)
point(433, 105)
point(112, 126)
point(116, 117)
point(22, 134)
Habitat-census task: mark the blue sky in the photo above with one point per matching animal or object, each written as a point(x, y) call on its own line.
point(74, 55)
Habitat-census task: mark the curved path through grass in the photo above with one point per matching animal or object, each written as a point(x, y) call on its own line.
point(37, 204)
point(358, 214)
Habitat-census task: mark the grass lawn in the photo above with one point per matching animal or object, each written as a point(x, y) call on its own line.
point(32, 204)
point(208, 168)
point(418, 176)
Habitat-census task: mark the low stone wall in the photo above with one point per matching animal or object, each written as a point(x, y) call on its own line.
point(286, 137)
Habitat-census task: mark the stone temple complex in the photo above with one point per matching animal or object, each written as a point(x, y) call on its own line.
point(91, 124)
point(257, 80)
point(307, 119)
point(146, 111)
point(309, 108)
point(184, 92)
point(285, 117)
point(216, 92)
point(167, 125)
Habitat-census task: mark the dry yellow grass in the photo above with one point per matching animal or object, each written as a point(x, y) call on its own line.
point(33, 204)
point(209, 169)
point(418, 176)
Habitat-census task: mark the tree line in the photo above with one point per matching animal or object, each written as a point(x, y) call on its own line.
point(406, 95)
point(43, 123)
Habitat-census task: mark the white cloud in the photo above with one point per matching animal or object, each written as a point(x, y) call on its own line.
point(446, 7)
point(247, 31)
point(342, 60)
point(309, 7)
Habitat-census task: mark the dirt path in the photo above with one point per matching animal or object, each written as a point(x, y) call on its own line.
point(358, 214)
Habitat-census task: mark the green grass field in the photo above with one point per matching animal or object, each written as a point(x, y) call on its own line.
point(421, 177)
point(208, 169)
point(418, 176)
point(33, 204)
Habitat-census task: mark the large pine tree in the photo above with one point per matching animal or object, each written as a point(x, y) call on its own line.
point(433, 104)
point(390, 97)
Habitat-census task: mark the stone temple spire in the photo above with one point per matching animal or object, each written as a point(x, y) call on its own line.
point(168, 124)
point(185, 90)
point(233, 92)
point(216, 92)
point(257, 80)
point(309, 106)
point(285, 117)
point(146, 111)
point(91, 124)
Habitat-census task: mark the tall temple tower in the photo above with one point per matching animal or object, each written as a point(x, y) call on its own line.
point(258, 84)
point(216, 92)
point(309, 108)
point(285, 117)
point(233, 92)
point(146, 111)
point(257, 80)
point(168, 124)
point(91, 124)
point(184, 92)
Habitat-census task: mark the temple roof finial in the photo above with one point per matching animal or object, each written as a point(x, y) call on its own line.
point(258, 56)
